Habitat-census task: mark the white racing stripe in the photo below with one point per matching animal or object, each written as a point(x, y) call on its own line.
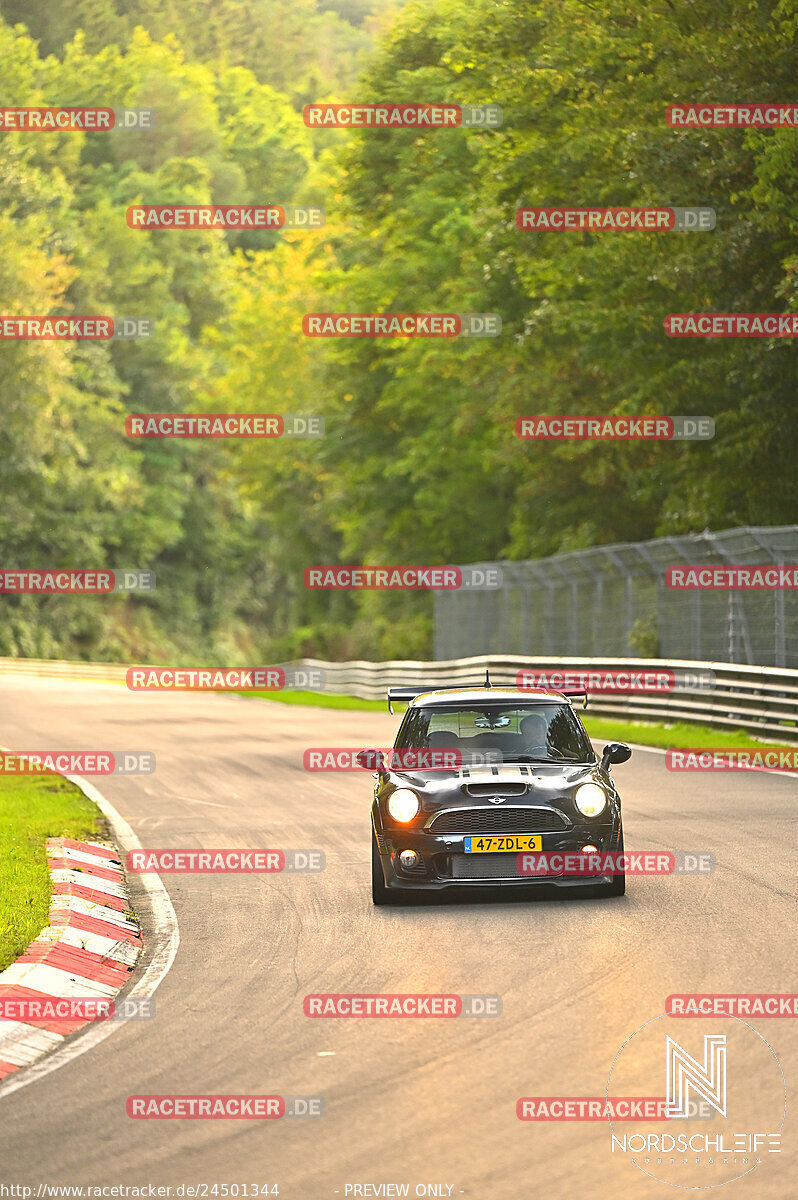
point(90, 908)
point(93, 860)
point(86, 879)
point(22, 1043)
point(107, 947)
point(55, 981)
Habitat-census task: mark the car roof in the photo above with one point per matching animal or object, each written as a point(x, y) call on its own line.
point(478, 697)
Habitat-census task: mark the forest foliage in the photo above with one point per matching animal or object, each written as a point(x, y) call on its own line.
point(420, 463)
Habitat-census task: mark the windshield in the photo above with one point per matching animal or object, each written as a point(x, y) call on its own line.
point(498, 733)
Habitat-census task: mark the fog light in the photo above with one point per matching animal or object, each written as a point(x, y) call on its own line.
point(589, 850)
point(409, 859)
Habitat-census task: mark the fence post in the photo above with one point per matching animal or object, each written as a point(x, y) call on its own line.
point(780, 643)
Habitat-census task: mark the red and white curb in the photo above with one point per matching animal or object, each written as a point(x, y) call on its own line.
point(88, 950)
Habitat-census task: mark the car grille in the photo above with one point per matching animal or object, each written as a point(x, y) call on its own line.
point(486, 866)
point(497, 820)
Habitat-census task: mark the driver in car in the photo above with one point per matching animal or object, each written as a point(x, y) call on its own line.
point(534, 730)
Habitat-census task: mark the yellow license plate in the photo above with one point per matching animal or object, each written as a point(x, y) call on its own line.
point(495, 843)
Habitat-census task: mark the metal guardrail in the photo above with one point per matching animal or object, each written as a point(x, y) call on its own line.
point(56, 669)
point(761, 700)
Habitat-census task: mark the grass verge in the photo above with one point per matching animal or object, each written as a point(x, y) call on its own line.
point(32, 809)
point(680, 735)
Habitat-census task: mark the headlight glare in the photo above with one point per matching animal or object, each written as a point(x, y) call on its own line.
point(403, 805)
point(590, 799)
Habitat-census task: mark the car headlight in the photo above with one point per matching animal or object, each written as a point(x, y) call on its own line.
point(590, 799)
point(403, 805)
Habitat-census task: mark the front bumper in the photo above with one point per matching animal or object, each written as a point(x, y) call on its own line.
point(445, 864)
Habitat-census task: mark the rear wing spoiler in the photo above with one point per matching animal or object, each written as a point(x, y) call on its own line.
point(405, 694)
point(569, 693)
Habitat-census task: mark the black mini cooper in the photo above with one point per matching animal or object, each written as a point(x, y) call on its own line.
point(478, 778)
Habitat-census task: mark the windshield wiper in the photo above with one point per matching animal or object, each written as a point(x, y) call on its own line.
point(533, 759)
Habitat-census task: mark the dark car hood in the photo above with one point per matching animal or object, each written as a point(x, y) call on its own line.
point(520, 783)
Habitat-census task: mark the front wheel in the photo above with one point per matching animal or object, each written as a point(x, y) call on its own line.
point(618, 885)
point(380, 894)
point(616, 888)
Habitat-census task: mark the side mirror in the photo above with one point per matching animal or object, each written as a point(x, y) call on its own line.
point(615, 752)
point(371, 760)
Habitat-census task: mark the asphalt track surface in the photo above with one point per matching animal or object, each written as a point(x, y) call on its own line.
point(415, 1101)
